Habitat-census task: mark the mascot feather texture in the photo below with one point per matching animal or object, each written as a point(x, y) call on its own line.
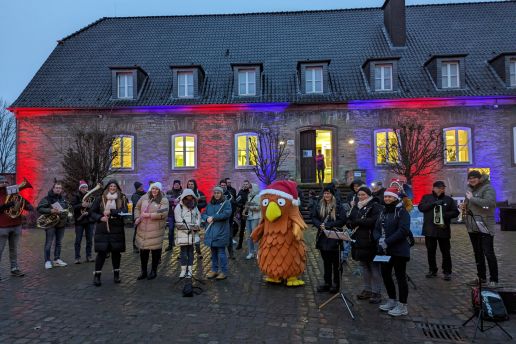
point(282, 251)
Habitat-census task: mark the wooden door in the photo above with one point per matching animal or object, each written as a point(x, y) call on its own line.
point(307, 154)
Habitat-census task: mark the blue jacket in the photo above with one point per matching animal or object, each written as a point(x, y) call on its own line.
point(217, 234)
point(396, 223)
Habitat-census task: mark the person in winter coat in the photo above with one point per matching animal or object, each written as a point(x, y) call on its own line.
point(151, 217)
point(362, 221)
point(201, 204)
point(188, 220)
point(352, 198)
point(378, 191)
point(138, 193)
point(437, 233)
point(109, 229)
point(231, 198)
point(83, 223)
point(241, 200)
point(392, 231)
point(254, 214)
point(479, 206)
point(218, 232)
point(57, 232)
point(328, 215)
point(173, 199)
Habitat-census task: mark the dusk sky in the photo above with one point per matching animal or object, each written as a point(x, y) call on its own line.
point(29, 29)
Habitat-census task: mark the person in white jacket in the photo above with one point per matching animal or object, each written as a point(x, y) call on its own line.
point(187, 221)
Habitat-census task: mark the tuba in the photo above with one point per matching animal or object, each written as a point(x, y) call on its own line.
point(50, 220)
point(88, 198)
point(15, 197)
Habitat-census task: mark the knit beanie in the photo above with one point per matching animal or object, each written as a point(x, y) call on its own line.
point(137, 185)
point(474, 174)
point(365, 189)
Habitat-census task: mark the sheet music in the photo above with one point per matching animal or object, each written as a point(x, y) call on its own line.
point(381, 259)
point(57, 206)
point(337, 235)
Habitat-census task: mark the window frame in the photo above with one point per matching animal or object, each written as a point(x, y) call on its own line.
point(514, 145)
point(457, 146)
point(448, 76)
point(129, 75)
point(132, 168)
point(512, 72)
point(173, 151)
point(375, 147)
point(248, 157)
point(186, 85)
point(247, 82)
point(382, 78)
point(313, 81)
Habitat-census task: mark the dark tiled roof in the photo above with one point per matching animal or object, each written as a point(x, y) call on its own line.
point(77, 73)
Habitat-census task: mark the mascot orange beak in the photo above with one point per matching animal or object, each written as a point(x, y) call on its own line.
point(273, 212)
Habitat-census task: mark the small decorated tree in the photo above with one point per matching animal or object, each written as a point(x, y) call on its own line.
point(267, 153)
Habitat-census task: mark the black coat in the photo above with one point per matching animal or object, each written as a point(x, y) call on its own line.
point(45, 207)
point(379, 195)
point(362, 222)
point(114, 239)
point(323, 243)
point(77, 207)
point(450, 210)
point(396, 222)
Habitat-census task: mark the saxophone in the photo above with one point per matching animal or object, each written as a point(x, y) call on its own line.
point(88, 198)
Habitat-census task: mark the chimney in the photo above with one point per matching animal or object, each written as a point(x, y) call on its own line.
point(394, 21)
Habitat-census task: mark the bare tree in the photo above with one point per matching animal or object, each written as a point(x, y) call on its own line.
point(414, 150)
point(7, 139)
point(267, 153)
point(89, 155)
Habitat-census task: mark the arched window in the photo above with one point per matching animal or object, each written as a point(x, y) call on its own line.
point(123, 147)
point(184, 151)
point(243, 148)
point(457, 144)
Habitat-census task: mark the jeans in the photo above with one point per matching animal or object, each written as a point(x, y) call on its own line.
point(187, 254)
point(144, 259)
point(51, 234)
point(400, 271)
point(219, 260)
point(249, 227)
point(483, 249)
point(11, 234)
point(171, 223)
point(331, 267)
point(79, 230)
point(444, 246)
point(372, 277)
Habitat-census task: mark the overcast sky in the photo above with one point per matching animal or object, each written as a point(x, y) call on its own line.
point(29, 29)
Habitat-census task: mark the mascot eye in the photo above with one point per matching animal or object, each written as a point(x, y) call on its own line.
point(281, 202)
point(265, 202)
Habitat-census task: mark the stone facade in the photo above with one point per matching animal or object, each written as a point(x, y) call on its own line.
point(42, 139)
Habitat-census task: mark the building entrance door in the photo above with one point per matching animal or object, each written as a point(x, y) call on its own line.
point(311, 141)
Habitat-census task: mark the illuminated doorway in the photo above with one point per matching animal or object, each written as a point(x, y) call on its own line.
point(310, 142)
point(323, 142)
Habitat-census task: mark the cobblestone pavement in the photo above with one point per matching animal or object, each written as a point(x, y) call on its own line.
point(62, 306)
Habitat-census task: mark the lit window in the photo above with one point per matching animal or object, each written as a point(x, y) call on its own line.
point(313, 80)
point(184, 151)
point(514, 144)
point(185, 84)
point(125, 85)
point(123, 150)
point(246, 82)
point(244, 143)
point(450, 74)
point(386, 146)
point(512, 72)
point(383, 77)
point(457, 145)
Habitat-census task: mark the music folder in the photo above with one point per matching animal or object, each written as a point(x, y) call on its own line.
point(331, 234)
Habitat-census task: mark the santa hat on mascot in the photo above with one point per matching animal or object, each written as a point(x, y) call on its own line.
point(283, 188)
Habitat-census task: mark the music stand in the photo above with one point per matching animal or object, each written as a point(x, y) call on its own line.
point(340, 236)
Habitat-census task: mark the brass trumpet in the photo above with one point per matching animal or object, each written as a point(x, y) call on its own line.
point(19, 202)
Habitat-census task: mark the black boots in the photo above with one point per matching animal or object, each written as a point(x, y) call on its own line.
point(152, 275)
point(96, 279)
point(116, 276)
point(143, 275)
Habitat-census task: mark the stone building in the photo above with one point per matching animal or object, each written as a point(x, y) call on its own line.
point(187, 92)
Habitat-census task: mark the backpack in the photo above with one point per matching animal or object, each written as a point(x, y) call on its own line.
point(189, 290)
point(493, 308)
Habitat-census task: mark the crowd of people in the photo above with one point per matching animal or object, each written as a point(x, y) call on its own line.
point(377, 220)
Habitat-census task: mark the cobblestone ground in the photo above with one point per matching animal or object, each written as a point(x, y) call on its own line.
point(62, 306)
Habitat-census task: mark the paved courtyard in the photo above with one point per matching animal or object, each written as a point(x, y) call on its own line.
point(62, 306)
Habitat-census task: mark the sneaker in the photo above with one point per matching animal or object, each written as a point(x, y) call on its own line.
point(431, 274)
point(211, 275)
point(492, 284)
point(249, 256)
point(220, 276)
point(400, 309)
point(447, 277)
point(389, 305)
point(474, 282)
point(16, 272)
point(77, 261)
point(48, 265)
point(376, 298)
point(59, 262)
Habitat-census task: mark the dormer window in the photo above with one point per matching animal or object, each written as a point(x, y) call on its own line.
point(381, 74)
point(187, 81)
point(314, 79)
point(450, 74)
point(512, 72)
point(504, 65)
point(185, 84)
point(246, 80)
point(383, 77)
point(124, 82)
point(127, 82)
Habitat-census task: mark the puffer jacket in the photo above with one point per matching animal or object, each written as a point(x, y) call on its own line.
point(217, 234)
point(483, 203)
point(394, 223)
point(362, 221)
point(151, 230)
point(182, 214)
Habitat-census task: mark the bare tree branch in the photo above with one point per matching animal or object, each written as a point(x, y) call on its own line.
point(7, 139)
point(268, 152)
